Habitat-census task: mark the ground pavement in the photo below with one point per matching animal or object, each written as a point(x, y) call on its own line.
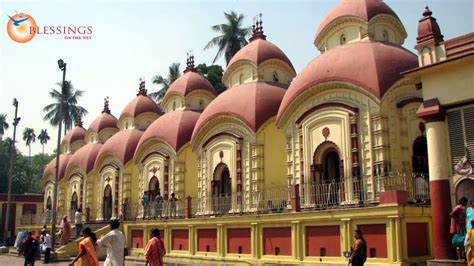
point(13, 261)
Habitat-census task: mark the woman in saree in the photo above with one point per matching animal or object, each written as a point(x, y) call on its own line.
point(87, 255)
point(65, 231)
point(155, 250)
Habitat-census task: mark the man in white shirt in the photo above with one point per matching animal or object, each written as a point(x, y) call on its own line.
point(78, 222)
point(115, 243)
point(47, 244)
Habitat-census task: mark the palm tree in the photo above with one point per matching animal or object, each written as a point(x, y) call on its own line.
point(165, 83)
point(3, 125)
point(64, 108)
point(43, 138)
point(29, 137)
point(233, 37)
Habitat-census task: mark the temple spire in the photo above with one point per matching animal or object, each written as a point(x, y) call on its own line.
point(106, 105)
point(190, 62)
point(428, 30)
point(141, 89)
point(78, 120)
point(257, 28)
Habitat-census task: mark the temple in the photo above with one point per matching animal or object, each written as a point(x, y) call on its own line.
point(283, 166)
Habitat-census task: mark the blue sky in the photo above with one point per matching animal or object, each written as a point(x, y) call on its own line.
point(133, 39)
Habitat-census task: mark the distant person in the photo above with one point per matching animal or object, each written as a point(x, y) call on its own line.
point(155, 249)
point(359, 249)
point(30, 246)
point(78, 221)
point(159, 204)
point(469, 216)
point(145, 203)
point(47, 245)
point(173, 201)
point(87, 253)
point(458, 226)
point(115, 243)
point(65, 230)
point(19, 240)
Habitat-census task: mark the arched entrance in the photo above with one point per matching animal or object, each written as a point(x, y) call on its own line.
point(222, 189)
point(107, 203)
point(327, 175)
point(420, 156)
point(153, 188)
point(49, 203)
point(465, 188)
point(74, 204)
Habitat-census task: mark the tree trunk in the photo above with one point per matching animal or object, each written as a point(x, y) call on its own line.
point(29, 146)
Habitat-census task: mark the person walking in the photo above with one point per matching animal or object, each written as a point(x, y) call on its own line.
point(115, 243)
point(78, 221)
point(65, 230)
point(47, 245)
point(87, 252)
point(30, 246)
point(359, 249)
point(458, 227)
point(155, 250)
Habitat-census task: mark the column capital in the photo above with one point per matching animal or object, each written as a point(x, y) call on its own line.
point(431, 111)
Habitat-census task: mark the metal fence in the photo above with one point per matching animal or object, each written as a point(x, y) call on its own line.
point(348, 193)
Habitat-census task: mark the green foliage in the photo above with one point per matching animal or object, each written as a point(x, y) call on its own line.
point(3, 124)
point(233, 37)
point(173, 74)
point(65, 108)
point(213, 74)
point(26, 176)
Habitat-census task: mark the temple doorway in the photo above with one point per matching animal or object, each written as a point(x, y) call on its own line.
point(222, 189)
point(153, 188)
point(420, 156)
point(107, 203)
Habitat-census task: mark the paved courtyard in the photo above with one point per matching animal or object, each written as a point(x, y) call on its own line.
point(12, 260)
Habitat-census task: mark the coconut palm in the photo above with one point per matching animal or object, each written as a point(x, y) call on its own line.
point(233, 37)
point(64, 108)
point(3, 125)
point(43, 138)
point(165, 83)
point(29, 137)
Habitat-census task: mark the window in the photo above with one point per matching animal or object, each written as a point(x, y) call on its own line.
point(461, 133)
point(174, 106)
point(385, 35)
point(241, 78)
point(275, 76)
point(343, 39)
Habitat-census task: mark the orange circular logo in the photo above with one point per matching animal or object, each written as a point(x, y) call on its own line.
point(19, 27)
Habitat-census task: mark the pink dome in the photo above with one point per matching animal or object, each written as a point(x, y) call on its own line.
point(190, 82)
point(63, 161)
point(75, 134)
point(374, 66)
point(141, 104)
point(85, 156)
point(103, 121)
point(175, 128)
point(253, 103)
point(121, 145)
point(258, 51)
point(364, 9)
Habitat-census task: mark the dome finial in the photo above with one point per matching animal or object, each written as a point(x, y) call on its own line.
point(106, 105)
point(141, 89)
point(78, 120)
point(257, 28)
point(427, 12)
point(190, 62)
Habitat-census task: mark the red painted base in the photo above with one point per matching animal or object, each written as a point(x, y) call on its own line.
point(396, 197)
point(440, 208)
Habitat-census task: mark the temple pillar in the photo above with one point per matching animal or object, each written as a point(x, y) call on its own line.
point(438, 162)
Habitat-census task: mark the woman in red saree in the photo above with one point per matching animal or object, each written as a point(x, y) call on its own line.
point(87, 255)
point(155, 249)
